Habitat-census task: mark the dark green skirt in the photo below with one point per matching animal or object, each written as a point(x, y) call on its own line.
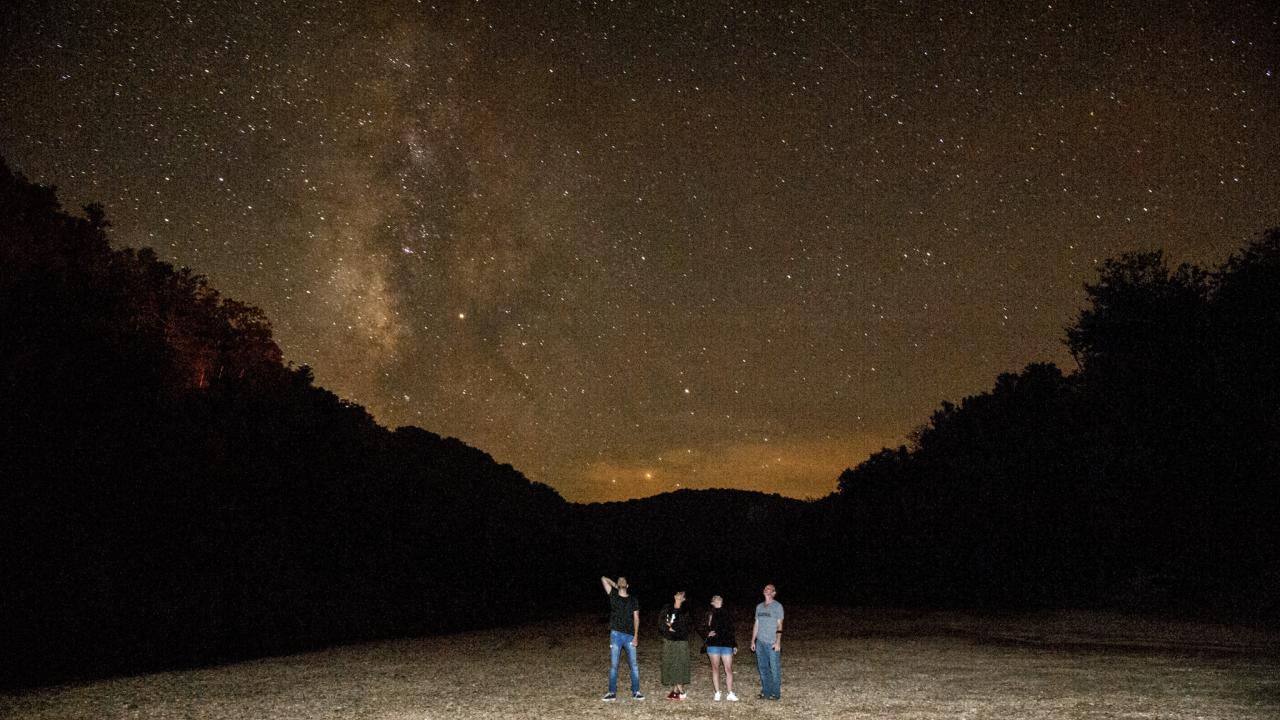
point(675, 662)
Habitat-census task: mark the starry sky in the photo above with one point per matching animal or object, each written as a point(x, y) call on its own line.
point(630, 247)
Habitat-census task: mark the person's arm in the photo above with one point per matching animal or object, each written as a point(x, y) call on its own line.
point(635, 617)
point(608, 584)
point(755, 629)
point(777, 637)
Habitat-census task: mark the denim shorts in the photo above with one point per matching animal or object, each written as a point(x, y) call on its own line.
point(717, 650)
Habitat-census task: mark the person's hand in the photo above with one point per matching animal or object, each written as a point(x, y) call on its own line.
point(635, 641)
point(735, 651)
point(711, 634)
point(777, 646)
point(753, 646)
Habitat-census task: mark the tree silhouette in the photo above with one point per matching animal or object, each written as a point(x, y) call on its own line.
point(1145, 478)
point(172, 492)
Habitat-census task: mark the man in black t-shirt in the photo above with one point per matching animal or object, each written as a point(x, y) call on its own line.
point(624, 632)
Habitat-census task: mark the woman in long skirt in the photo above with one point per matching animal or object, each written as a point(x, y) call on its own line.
point(674, 625)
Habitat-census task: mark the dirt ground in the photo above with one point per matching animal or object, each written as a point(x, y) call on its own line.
point(836, 664)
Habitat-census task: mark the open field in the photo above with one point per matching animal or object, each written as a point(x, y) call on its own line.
point(836, 664)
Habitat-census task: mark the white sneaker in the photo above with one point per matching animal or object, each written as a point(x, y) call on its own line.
point(731, 698)
point(717, 697)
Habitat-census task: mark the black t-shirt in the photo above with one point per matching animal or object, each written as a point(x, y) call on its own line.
point(620, 612)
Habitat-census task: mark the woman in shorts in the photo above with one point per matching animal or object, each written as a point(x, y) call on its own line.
point(721, 646)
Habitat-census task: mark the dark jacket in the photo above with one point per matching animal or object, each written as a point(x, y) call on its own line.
point(674, 622)
point(722, 624)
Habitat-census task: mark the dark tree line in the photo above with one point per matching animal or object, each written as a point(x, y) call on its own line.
point(1148, 478)
point(171, 492)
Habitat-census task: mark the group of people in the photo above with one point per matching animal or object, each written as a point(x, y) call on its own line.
point(675, 625)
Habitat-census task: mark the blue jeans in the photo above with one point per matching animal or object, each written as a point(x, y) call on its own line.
point(617, 641)
point(769, 663)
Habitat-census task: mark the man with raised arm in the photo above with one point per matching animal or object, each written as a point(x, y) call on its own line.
point(766, 643)
point(624, 632)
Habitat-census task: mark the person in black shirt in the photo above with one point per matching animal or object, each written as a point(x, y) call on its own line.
point(674, 626)
point(721, 646)
point(624, 632)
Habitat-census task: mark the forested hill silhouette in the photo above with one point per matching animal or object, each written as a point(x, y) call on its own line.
point(725, 542)
point(171, 492)
point(1150, 477)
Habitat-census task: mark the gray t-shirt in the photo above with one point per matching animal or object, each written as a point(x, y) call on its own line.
point(767, 617)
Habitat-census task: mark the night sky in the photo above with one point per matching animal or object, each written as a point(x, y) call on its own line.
point(630, 247)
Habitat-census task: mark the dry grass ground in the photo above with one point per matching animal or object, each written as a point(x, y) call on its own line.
point(836, 664)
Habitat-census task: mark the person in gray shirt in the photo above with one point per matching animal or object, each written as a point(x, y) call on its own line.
point(766, 643)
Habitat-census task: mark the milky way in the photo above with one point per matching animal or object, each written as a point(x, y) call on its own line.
point(631, 247)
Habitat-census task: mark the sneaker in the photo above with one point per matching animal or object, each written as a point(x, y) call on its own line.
point(717, 697)
point(681, 696)
point(610, 697)
point(730, 698)
point(671, 695)
point(637, 696)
